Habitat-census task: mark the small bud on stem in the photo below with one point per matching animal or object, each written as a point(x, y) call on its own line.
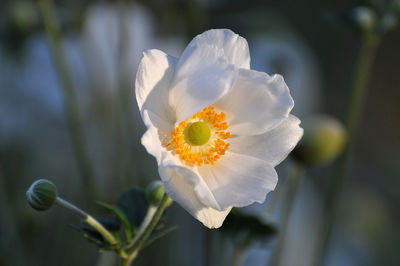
point(155, 192)
point(324, 139)
point(41, 194)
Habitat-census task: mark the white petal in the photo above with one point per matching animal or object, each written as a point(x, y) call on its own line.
point(235, 47)
point(183, 193)
point(152, 141)
point(200, 81)
point(151, 138)
point(203, 193)
point(153, 79)
point(207, 70)
point(239, 180)
point(272, 146)
point(256, 103)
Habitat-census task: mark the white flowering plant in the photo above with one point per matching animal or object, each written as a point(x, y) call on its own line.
point(216, 128)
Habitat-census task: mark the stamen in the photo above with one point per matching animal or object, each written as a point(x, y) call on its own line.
point(201, 139)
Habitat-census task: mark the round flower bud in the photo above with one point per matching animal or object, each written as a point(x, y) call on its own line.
point(41, 194)
point(155, 192)
point(323, 141)
point(365, 18)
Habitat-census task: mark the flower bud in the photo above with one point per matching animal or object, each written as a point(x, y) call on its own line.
point(323, 141)
point(365, 18)
point(155, 192)
point(41, 194)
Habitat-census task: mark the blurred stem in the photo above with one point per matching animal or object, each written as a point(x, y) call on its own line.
point(240, 249)
point(363, 69)
point(149, 223)
point(239, 255)
point(124, 126)
point(276, 197)
point(54, 36)
point(208, 248)
point(362, 74)
point(107, 259)
point(11, 237)
point(294, 184)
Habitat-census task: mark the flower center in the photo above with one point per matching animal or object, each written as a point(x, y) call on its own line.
point(197, 133)
point(200, 139)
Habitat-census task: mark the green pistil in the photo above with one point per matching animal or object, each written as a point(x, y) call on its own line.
point(197, 133)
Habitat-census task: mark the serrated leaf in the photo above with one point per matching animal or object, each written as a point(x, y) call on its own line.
point(134, 204)
point(121, 216)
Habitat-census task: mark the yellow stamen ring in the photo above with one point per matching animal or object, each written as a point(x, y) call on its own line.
point(201, 138)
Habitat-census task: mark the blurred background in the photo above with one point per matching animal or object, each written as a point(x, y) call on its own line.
point(313, 44)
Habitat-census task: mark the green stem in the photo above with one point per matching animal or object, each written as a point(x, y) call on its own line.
point(71, 207)
point(54, 36)
point(89, 219)
point(151, 220)
point(361, 78)
point(101, 229)
point(359, 90)
point(294, 185)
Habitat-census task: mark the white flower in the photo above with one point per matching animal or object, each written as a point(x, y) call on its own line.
point(216, 127)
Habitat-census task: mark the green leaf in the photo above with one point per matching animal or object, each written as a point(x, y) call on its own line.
point(238, 223)
point(134, 204)
point(121, 216)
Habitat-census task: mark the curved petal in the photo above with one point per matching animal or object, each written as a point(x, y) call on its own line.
point(183, 193)
point(201, 78)
point(153, 79)
point(272, 146)
point(256, 103)
point(152, 140)
point(235, 48)
point(207, 70)
point(239, 180)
